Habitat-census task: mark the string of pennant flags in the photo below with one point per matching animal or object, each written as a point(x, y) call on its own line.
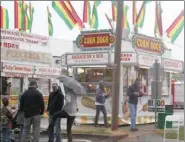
point(24, 16)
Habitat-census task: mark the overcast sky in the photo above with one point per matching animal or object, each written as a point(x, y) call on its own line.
point(171, 9)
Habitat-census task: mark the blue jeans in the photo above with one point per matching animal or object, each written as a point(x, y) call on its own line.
point(133, 114)
point(57, 130)
point(35, 121)
point(6, 134)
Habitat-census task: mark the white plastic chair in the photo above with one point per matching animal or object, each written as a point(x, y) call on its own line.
point(172, 118)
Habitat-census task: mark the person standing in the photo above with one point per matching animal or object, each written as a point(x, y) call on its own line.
point(32, 104)
point(6, 117)
point(68, 111)
point(100, 104)
point(133, 93)
point(55, 104)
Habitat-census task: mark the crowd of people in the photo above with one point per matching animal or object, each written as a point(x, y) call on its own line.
point(31, 108)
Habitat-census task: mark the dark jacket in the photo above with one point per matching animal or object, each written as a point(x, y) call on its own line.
point(100, 97)
point(32, 103)
point(55, 102)
point(133, 99)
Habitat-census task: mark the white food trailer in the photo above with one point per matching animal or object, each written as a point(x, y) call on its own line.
point(92, 59)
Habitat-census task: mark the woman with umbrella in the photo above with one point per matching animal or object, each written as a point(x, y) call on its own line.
point(71, 89)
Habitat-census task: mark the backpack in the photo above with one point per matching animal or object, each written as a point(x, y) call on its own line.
point(5, 118)
point(4, 121)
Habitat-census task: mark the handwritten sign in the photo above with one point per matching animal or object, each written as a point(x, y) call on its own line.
point(148, 44)
point(96, 40)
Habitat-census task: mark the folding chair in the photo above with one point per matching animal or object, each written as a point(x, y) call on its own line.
point(172, 118)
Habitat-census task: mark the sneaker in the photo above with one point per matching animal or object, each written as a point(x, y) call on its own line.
point(133, 129)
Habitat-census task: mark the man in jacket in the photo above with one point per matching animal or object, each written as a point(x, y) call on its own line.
point(100, 104)
point(68, 111)
point(32, 104)
point(133, 93)
point(55, 104)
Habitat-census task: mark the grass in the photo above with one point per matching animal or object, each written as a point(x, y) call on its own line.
point(173, 135)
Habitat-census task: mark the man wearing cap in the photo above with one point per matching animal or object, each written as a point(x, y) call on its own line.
point(32, 104)
point(134, 92)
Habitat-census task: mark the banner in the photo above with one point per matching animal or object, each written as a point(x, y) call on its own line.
point(87, 59)
point(25, 56)
point(173, 65)
point(17, 36)
point(15, 68)
point(147, 60)
point(47, 71)
point(9, 45)
point(126, 57)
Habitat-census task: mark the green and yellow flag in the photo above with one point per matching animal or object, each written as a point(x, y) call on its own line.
point(50, 25)
point(141, 15)
point(94, 19)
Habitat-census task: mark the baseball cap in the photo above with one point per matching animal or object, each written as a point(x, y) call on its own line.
point(33, 83)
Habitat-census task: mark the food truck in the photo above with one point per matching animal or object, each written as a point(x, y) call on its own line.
point(92, 60)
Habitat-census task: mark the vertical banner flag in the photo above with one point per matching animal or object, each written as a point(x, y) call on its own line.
point(114, 10)
point(4, 18)
point(134, 12)
point(86, 11)
point(176, 27)
point(158, 29)
point(50, 25)
point(74, 14)
point(26, 24)
point(125, 20)
point(125, 11)
point(141, 15)
point(21, 20)
point(31, 11)
point(64, 13)
point(94, 19)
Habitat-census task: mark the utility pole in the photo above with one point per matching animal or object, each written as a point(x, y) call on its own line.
point(116, 75)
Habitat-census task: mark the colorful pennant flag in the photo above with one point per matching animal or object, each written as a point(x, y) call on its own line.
point(109, 20)
point(31, 12)
point(64, 13)
point(4, 18)
point(26, 21)
point(125, 19)
point(125, 11)
point(114, 10)
point(50, 25)
point(21, 20)
point(94, 19)
point(141, 15)
point(74, 14)
point(18, 20)
point(134, 12)
point(158, 20)
point(86, 11)
point(176, 27)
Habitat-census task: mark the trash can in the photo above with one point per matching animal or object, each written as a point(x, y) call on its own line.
point(162, 116)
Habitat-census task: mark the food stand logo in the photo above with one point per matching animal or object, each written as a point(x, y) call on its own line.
point(148, 44)
point(96, 40)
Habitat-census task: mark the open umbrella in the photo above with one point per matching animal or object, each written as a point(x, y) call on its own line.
point(71, 83)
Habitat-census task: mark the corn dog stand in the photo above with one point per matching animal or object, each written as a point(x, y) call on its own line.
point(92, 60)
